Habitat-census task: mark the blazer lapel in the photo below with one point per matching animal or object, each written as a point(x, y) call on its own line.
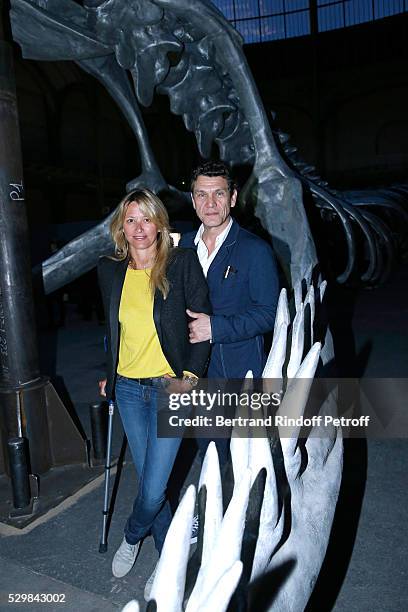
point(159, 300)
point(226, 248)
point(116, 293)
point(157, 310)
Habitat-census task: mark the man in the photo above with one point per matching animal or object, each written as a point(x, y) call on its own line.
point(242, 278)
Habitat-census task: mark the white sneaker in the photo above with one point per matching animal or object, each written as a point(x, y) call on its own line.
point(149, 584)
point(194, 530)
point(124, 558)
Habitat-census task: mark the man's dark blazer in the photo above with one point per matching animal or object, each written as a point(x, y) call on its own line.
point(244, 289)
point(188, 289)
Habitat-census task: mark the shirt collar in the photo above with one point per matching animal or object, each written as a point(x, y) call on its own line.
point(220, 238)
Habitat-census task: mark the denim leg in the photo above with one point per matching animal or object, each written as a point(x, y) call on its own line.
point(151, 510)
point(134, 411)
point(160, 452)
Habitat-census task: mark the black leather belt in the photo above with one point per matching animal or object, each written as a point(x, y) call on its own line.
point(155, 381)
point(149, 382)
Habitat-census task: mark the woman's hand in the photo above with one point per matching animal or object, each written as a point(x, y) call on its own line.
point(102, 387)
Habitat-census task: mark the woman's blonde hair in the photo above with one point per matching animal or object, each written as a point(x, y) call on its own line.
point(151, 206)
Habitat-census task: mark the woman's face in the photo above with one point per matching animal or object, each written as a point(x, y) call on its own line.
point(140, 231)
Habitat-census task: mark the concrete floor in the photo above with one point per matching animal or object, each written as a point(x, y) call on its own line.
point(366, 564)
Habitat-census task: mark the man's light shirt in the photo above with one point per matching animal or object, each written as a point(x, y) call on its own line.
point(202, 251)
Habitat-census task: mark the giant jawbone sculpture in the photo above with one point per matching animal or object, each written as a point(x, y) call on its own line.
point(209, 83)
point(277, 522)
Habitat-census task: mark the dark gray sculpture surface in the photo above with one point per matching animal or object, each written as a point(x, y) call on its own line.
point(189, 52)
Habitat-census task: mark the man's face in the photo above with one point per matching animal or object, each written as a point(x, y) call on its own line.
point(213, 201)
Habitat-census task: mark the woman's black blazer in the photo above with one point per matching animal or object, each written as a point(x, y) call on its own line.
point(188, 289)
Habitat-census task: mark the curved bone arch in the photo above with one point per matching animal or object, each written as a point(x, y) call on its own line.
point(185, 49)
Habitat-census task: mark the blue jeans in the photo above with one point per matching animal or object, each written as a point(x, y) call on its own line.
point(153, 457)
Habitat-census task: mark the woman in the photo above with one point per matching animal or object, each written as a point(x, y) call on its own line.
point(146, 290)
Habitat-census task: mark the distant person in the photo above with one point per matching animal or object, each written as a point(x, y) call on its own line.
point(146, 290)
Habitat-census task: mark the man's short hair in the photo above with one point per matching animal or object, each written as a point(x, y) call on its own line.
point(213, 168)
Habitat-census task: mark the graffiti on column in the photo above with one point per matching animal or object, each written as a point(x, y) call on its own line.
point(17, 191)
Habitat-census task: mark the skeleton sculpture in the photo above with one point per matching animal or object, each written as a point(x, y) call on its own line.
point(185, 49)
point(275, 523)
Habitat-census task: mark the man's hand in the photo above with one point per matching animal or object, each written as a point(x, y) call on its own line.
point(200, 328)
point(102, 387)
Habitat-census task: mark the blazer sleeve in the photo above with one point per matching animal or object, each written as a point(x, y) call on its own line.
point(104, 281)
point(196, 299)
point(101, 268)
point(263, 290)
point(187, 241)
point(183, 242)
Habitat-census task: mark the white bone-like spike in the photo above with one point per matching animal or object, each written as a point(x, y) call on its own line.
point(172, 564)
point(313, 502)
point(211, 478)
point(277, 354)
point(239, 455)
point(267, 542)
point(247, 387)
point(131, 606)
point(310, 299)
point(320, 446)
point(239, 441)
point(297, 292)
point(260, 457)
point(322, 289)
point(227, 548)
point(282, 311)
point(296, 351)
point(294, 402)
point(220, 597)
point(334, 459)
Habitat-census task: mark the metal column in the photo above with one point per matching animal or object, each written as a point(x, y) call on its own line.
point(29, 406)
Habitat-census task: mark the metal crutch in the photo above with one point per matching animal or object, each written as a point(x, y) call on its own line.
point(103, 545)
